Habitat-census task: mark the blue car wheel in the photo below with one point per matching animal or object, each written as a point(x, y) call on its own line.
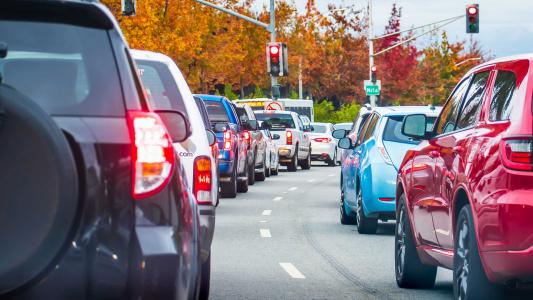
point(346, 219)
point(365, 225)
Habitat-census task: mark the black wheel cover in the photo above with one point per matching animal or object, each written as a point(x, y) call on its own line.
point(38, 191)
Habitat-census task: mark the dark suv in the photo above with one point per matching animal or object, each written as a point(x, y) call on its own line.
point(92, 200)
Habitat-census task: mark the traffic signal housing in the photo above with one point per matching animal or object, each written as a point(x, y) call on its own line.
point(277, 59)
point(373, 74)
point(129, 7)
point(472, 18)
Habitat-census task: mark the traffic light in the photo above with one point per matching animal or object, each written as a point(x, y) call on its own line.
point(373, 75)
point(472, 18)
point(129, 7)
point(277, 59)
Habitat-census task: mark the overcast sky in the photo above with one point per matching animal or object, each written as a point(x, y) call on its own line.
point(506, 26)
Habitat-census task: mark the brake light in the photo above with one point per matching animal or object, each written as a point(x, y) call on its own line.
point(517, 153)
point(383, 152)
point(202, 180)
point(227, 140)
point(289, 137)
point(322, 140)
point(152, 153)
point(246, 136)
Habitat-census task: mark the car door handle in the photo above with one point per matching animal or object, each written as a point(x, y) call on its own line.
point(457, 149)
point(434, 154)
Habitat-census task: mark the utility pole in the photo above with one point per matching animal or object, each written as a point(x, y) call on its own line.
point(373, 99)
point(300, 85)
point(269, 27)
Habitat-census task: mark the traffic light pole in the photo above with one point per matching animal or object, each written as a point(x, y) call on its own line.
point(373, 99)
point(269, 27)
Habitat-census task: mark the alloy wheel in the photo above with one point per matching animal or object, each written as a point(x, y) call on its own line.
point(400, 242)
point(463, 268)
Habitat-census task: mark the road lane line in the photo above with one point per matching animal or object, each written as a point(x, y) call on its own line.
point(291, 269)
point(311, 180)
point(263, 221)
point(331, 175)
point(265, 233)
point(267, 212)
point(294, 188)
point(284, 192)
point(277, 198)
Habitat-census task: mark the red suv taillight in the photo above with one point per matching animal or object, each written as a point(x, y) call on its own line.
point(289, 137)
point(152, 153)
point(322, 140)
point(246, 136)
point(517, 153)
point(227, 140)
point(202, 180)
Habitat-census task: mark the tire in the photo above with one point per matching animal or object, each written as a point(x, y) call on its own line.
point(39, 191)
point(469, 279)
point(267, 170)
point(345, 218)
point(365, 225)
point(333, 162)
point(293, 165)
point(410, 271)
point(306, 163)
point(242, 186)
point(229, 189)
point(261, 176)
point(276, 170)
point(205, 281)
point(251, 170)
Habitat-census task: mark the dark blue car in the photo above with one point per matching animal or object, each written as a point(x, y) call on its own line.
point(233, 162)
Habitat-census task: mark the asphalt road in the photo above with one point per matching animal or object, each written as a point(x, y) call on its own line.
point(283, 240)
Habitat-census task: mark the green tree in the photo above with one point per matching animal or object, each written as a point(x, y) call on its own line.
point(258, 93)
point(294, 95)
point(228, 92)
point(347, 113)
point(325, 112)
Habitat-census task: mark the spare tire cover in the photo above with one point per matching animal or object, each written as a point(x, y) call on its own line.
point(38, 190)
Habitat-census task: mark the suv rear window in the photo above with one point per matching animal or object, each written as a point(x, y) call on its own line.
point(393, 130)
point(60, 67)
point(319, 128)
point(216, 111)
point(163, 93)
point(278, 121)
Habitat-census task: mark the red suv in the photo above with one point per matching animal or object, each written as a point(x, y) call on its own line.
point(466, 193)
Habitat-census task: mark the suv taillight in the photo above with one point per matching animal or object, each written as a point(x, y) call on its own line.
point(227, 140)
point(152, 153)
point(202, 180)
point(246, 136)
point(322, 140)
point(517, 153)
point(289, 137)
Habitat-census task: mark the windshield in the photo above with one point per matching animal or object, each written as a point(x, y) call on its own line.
point(393, 130)
point(60, 67)
point(278, 122)
point(163, 93)
point(216, 111)
point(319, 128)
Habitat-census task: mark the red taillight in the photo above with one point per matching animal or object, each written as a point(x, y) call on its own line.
point(152, 153)
point(202, 180)
point(247, 138)
point(322, 140)
point(289, 137)
point(517, 153)
point(386, 199)
point(227, 140)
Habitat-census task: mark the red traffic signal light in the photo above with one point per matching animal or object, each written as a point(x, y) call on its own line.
point(472, 18)
point(374, 69)
point(273, 51)
point(277, 60)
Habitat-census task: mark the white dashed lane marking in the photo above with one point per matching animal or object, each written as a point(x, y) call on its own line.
point(292, 271)
point(267, 212)
point(311, 180)
point(294, 188)
point(265, 233)
point(277, 198)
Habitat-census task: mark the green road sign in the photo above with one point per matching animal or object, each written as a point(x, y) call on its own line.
point(372, 90)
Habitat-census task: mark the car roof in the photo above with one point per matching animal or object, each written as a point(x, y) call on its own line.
point(211, 97)
point(151, 56)
point(405, 110)
point(321, 123)
point(274, 112)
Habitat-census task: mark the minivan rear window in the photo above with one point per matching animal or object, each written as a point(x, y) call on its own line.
point(216, 111)
point(163, 93)
point(278, 121)
point(66, 69)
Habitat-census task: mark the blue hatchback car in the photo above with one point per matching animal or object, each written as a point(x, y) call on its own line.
point(368, 177)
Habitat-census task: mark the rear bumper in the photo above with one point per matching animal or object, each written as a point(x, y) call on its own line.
point(504, 266)
point(225, 167)
point(379, 191)
point(207, 229)
point(322, 151)
point(286, 152)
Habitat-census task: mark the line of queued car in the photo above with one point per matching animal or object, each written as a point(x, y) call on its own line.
point(457, 179)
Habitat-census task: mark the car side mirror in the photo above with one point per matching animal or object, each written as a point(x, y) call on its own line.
point(414, 126)
point(275, 136)
point(339, 133)
point(211, 137)
point(345, 143)
point(220, 127)
point(177, 124)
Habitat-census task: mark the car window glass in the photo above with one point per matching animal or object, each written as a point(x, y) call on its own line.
point(449, 113)
point(300, 124)
point(502, 94)
point(362, 132)
point(162, 91)
point(60, 67)
point(278, 122)
point(473, 100)
point(318, 128)
point(216, 111)
point(201, 107)
point(371, 128)
point(393, 130)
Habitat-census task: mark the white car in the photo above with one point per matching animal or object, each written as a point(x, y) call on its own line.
point(271, 152)
point(167, 90)
point(323, 144)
